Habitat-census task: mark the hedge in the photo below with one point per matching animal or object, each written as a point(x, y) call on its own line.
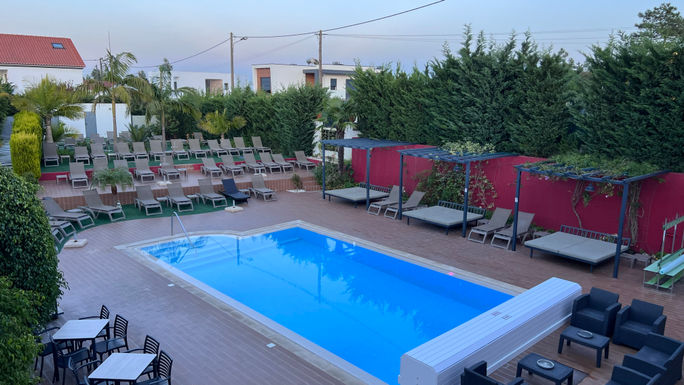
point(28, 122)
point(25, 153)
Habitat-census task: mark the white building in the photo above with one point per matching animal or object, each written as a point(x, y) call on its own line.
point(278, 77)
point(204, 82)
point(25, 60)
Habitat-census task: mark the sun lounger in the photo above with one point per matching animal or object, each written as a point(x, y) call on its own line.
point(100, 164)
point(240, 144)
point(125, 136)
point(178, 149)
point(412, 203)
point(167, 170)
point(259, 188)
point(258, 146)
point(65, 227)
point(278, 158)
point(145, 200)
point(358, 194)
point(142, 170)
point(302, 161)
point(226, 145)
point(96, 151)
point(231, 191)
point(498, 222)
point(207, 193)
point(69, 142)
point(55, 211)
point(269, 163)
point(178, 198)
point(195, 148)
point(95, 206)
point(198, 135)
point(209, 167)
point(215, 148)
point(123, 152)
point(393, 198)
point(229, 165)
point(445, 214)
point(78, 175)
point(81, 154)
point(252, 164)
point(582, 245)
point(139, 150)
point(506, 235)
point(50, 154)
point(156, 150)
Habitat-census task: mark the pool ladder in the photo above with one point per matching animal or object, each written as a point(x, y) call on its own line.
point(182, 228)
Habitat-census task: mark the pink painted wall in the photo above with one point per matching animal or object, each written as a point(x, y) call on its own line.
point(661, 198)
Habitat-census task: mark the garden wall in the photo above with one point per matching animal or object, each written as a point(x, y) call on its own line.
point(661, 199)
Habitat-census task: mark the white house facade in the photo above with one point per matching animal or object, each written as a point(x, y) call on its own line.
point(209, 83)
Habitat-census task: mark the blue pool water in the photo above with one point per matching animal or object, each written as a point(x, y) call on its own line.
point(366, 307)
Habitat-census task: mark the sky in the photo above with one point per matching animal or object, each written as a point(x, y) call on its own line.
point(174, 29)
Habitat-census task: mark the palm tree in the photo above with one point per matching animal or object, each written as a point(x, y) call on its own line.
point(338, 114)
point(218, 123)
point(48, 99)
point(115, 84)
point(162, 98)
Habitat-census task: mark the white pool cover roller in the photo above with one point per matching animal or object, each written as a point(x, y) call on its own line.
point(495, 336)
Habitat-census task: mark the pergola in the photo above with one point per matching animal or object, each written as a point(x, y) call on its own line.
point(595, 175)
point(439, 154)
point(362, 144)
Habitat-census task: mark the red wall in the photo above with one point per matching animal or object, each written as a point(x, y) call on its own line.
point(661, 199)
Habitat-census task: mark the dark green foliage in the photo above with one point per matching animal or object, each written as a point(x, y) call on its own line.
point(28, 258)
point(663, 22)
point(18, 347)
point(295, 111)
point(25, 153)
point(333, 178)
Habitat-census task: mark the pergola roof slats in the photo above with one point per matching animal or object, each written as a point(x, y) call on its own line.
point(363, 143)
point(436, 153)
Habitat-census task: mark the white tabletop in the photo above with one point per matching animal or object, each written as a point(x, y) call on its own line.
point(122, 367)
point(84, 329)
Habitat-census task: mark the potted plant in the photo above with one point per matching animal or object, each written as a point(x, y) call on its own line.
point(113, 177)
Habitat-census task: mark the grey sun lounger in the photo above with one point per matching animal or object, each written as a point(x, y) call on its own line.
point(358, 194)
point(229, 165)
point(123, 152)
point(144, 199)
point(412, 203)
point(215, 148)
point(96, 151)
point(142, 170)
point(69, 142)
point(231, 191)
point(240, 144)
point(64, 228)
point(268, 162)
point(178, 150)
point(77, 174)
point(95, 206)
point(54, 210)
point(81, 154)
point(506, 235)
point(285, 165)
point(258, 146)
point(178, 198)
point(591, 247)
point(226, 145)
point(156, 150)
point(209, 167)
point(302, 161)
point(100, 164)
point(207, 193)
point(50, 154)
point(496, 223)
point(445, 214)
point(139, 150)
point(198, 135)
point(167, 170)
point(393, 198)
point(259, 189)
point(195, 148)
point(121, 163)
point(252, 164)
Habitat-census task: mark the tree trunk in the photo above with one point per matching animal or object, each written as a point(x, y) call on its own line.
point(163, 127)
point(339, 134)
point(48, 129)
point(114, 119)
point(114, 189)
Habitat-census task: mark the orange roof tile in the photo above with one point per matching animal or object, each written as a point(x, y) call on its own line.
point(38, 51)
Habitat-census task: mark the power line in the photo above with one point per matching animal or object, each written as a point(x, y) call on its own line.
point(278, 48)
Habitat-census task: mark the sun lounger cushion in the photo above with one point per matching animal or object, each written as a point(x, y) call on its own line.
point(574, 246)
point(356, 194)
point(442, 216)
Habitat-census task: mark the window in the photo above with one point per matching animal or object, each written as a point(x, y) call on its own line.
point(225, 86)
point(3, 75)
point(57, 46)
point(265, 84)
point(333, 84)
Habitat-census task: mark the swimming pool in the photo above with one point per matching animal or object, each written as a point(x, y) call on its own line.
point(363, 306)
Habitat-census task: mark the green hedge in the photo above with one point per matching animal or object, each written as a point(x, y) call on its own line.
point(28, 122)
point(25, 153)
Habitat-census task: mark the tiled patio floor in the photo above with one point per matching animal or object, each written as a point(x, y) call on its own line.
point(211, 346)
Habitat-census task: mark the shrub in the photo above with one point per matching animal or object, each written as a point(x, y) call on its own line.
point(27, 252)
point(333, 178)
point(25, 152)
point(28, 122)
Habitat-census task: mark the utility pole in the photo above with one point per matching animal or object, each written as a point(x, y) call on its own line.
point(232, 67)
point(320, 58)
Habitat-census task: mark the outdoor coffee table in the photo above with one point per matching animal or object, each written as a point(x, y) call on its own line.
point(122, 367)
point(557, 374)
point(80, 330)
point(595, 341)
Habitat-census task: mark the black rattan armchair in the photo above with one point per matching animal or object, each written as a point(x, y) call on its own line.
point(595, 311)
point(627, 376)
point(659, 355)
point(633, 323)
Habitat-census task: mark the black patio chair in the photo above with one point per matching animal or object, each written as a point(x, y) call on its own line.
point(659, 355)
point(151, 346)
point(595, 311)
point(634, 322)
point(104, 314)
point(118, 341)
point(48, 348)
point(231, 191)
point(82, 371)
point(62, 360)
point(627, 376)
point(163, 377)
point(477, 375)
